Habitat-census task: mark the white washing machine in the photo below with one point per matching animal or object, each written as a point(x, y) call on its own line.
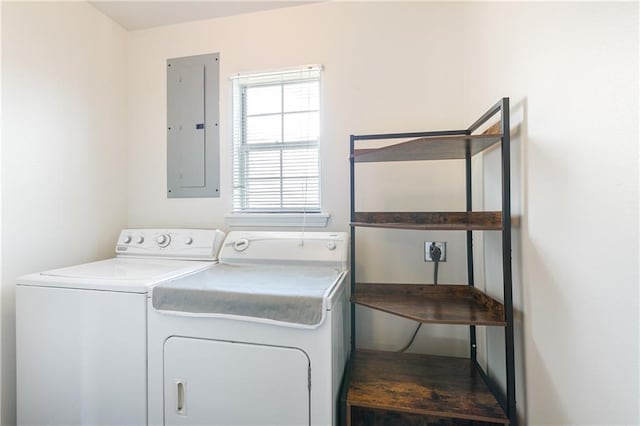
point(261, 338)
point(81, 331)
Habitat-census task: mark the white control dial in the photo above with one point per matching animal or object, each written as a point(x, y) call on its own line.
point(163, 240)
point(331, 245)
point(188, 240)
point(140, 239)
point(126, 239)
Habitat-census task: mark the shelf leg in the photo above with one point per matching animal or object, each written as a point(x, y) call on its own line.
point(506, 260)
point(473, 351)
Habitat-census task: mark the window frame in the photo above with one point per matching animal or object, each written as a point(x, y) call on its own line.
point(243, 214)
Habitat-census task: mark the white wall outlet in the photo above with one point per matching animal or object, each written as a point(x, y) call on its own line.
point(442, 245)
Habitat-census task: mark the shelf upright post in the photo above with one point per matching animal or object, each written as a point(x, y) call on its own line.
point(506, 260)
point(353, 239)
point(470, 277)
point(344, 416)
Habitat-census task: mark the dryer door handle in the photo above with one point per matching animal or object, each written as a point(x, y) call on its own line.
point(180, 397)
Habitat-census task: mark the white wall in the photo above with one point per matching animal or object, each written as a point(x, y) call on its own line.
point(385, 70)
point(64, 161)
point(571, 71)
point(1, 345)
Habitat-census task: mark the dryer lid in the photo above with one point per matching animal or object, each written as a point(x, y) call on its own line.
point(295, 296)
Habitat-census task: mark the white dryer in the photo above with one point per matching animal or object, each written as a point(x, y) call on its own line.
point(261, 338)
point(81, 331)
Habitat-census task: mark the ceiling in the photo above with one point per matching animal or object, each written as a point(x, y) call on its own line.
point(137, 15)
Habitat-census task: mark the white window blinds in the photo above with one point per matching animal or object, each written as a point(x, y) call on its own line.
point(276, 121)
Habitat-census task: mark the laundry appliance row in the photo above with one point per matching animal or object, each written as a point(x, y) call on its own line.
point(183, 327)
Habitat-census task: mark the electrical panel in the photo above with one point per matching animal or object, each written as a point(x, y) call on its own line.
point(193, 136)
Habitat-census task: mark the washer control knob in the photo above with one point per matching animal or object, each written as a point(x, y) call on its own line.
point(163, 240)
point(241, 245)
point(126, 239)
point(188, 240)
point(140, 239)
point(331, 245)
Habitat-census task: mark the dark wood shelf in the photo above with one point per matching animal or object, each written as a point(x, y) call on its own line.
point(437, 304)
point(429, 148)
point(401, 389)
point(446, 221)
point(435, 386)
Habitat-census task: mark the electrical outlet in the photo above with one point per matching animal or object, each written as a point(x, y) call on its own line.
point(442, 245)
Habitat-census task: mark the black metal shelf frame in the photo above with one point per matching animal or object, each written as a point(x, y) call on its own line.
point(506, 399)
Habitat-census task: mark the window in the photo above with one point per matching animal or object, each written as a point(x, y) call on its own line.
point(276, 161)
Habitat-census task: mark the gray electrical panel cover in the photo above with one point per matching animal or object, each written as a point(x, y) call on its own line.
point(193, 138)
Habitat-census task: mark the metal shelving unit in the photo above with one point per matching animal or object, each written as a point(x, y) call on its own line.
point(407, 389)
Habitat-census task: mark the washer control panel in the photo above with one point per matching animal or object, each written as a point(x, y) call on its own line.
point(182, 244)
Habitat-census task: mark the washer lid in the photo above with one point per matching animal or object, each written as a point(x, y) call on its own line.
point(119, 269)
point(117, 274)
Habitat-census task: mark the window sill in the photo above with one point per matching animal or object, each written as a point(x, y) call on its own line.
point(308, 220)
